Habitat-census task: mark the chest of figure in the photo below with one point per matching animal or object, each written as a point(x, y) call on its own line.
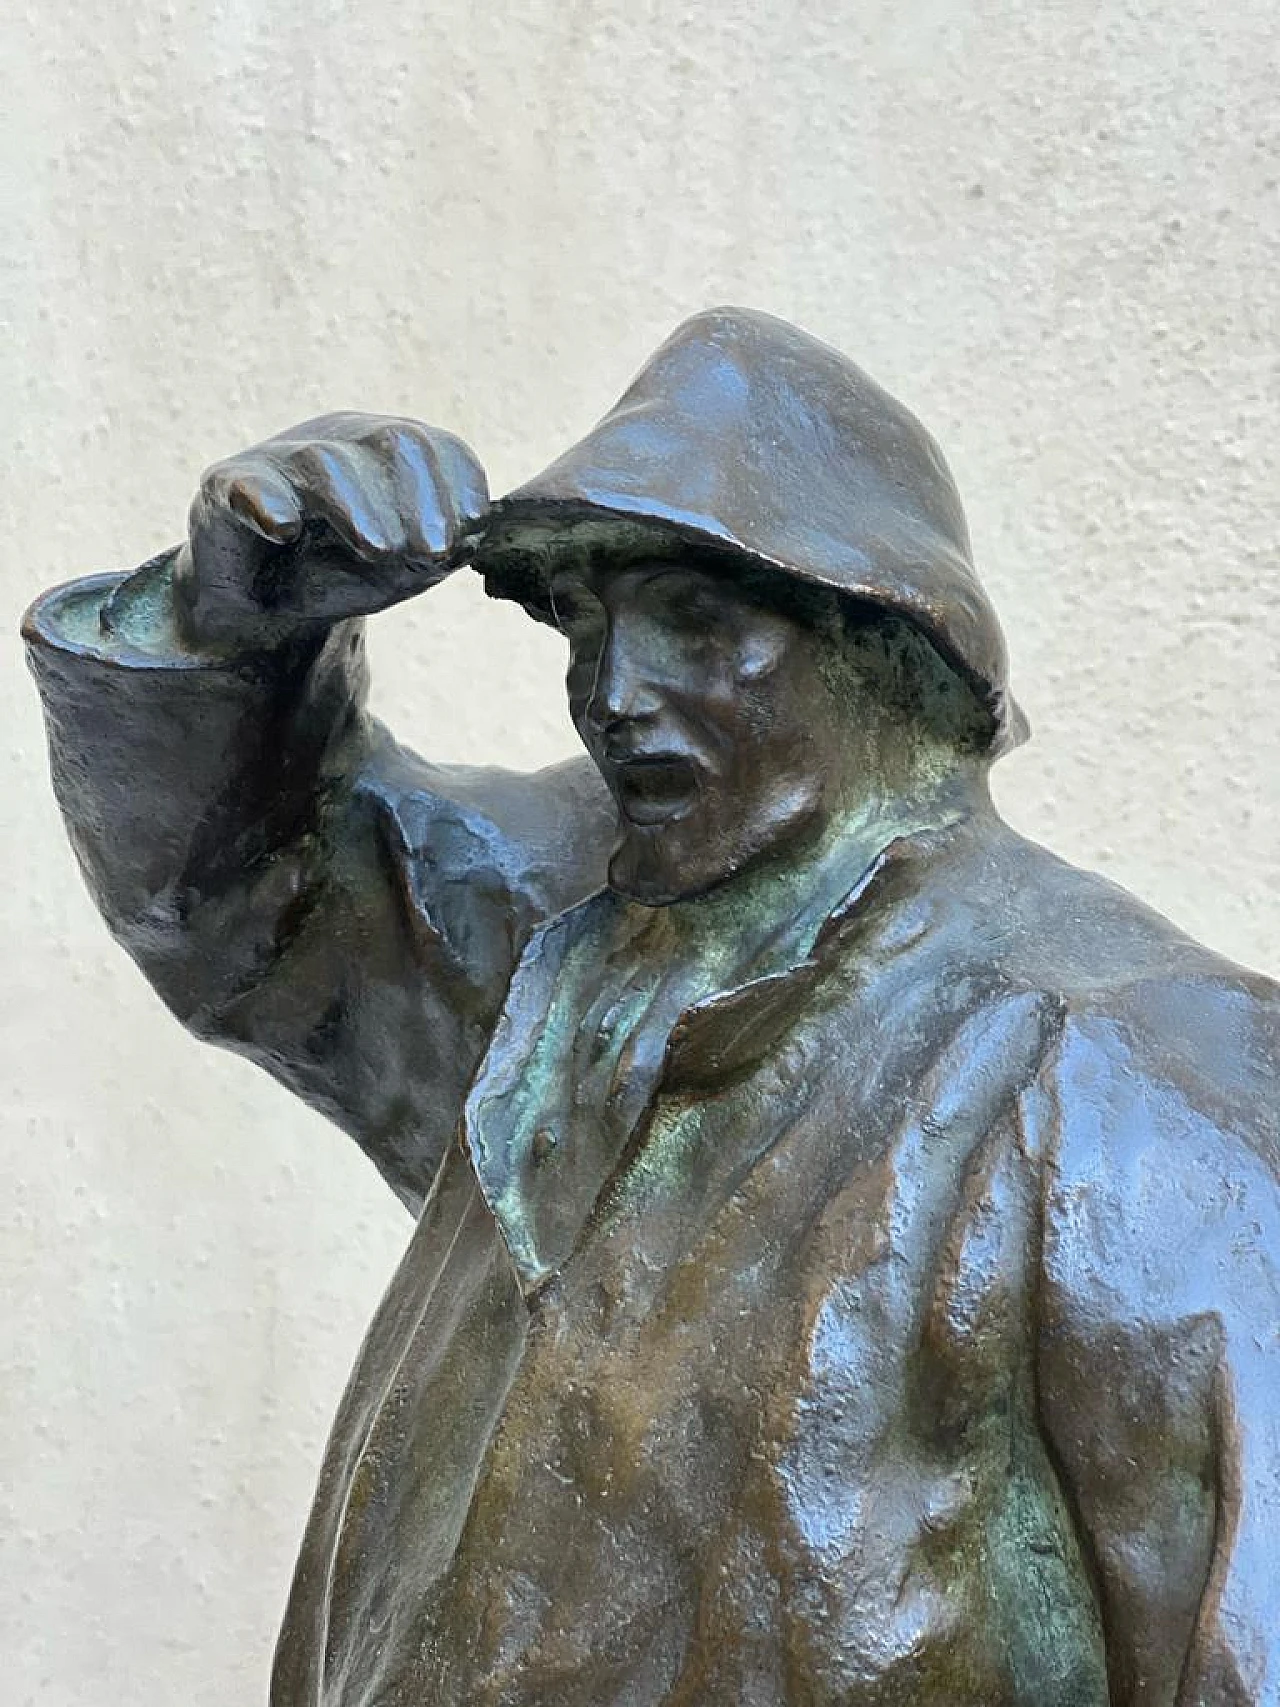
point(783, 1364)
point(786, 1365)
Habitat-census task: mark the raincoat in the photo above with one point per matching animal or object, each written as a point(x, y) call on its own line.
point(917, 1336)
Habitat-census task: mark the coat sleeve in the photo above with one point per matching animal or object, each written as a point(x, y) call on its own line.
point(294, 884)
point(1159, 1365)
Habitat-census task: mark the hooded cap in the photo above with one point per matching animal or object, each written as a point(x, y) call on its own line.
point(746, 435)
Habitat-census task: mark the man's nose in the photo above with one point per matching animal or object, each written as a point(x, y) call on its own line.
point(624, 690)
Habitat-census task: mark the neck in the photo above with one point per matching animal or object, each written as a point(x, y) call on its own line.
point(780, 902)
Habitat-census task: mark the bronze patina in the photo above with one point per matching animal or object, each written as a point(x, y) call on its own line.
point(847, 1251)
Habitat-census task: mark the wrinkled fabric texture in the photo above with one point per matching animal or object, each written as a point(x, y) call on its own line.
point(916, 1343)
point(900, 1327)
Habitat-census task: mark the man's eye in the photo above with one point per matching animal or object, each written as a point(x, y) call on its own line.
point(688, 609)
point(573, 608)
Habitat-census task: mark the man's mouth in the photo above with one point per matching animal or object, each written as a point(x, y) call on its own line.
point(654, 788)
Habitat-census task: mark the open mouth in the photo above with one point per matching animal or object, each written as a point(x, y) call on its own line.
point(653, 790)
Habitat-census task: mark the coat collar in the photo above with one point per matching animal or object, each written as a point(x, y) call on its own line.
point(542, 1191)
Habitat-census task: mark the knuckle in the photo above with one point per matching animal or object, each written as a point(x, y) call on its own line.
point(311, 469)
point(393, 441)
point(229, 475)
point(214, 480)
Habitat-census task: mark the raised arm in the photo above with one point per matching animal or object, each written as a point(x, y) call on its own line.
point(294, 884)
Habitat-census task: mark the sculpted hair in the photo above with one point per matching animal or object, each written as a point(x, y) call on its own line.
point(908, 675)
point(887, 653)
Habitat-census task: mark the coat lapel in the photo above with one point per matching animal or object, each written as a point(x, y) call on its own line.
point(540, 1188)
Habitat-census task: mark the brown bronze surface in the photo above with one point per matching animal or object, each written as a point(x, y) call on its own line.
point(847, 1257)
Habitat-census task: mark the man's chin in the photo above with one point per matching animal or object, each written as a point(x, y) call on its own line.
point(691, 854)
point(655, 865)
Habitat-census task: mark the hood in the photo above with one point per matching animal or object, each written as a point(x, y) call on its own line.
point(746, 435)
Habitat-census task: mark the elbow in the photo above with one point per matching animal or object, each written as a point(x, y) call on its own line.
point(201, 953)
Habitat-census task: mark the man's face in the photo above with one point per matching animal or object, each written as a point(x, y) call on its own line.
point(706, 714)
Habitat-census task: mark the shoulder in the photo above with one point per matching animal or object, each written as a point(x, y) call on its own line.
point(1168, 1069)
point(470, 840)
point(1159, 1131)
point(1154, 1104)
point(1071, 932)
point(1212, 1034)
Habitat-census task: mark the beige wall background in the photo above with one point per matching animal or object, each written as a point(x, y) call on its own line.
point(1053, 229)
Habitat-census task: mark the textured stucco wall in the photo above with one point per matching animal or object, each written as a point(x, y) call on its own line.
point(1051, 228)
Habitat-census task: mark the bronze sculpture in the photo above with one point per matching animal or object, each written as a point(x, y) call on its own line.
point(848, 1252)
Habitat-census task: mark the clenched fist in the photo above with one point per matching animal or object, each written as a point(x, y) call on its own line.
point(338, 517)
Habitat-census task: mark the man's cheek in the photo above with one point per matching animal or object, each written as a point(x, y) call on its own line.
point(719, 715)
